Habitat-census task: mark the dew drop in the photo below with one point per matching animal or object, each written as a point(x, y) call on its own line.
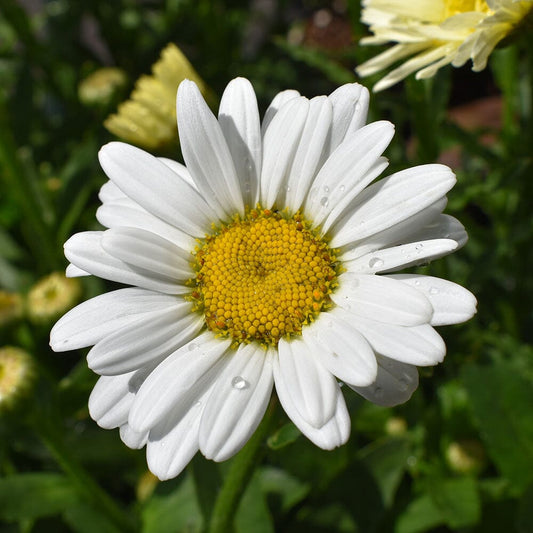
point(419, 247)
point(288, 189)
point(375, 262)
point(342, 188)
point(326, 189)
point(192, 346)
point(324, 201)
point(239, 383)
point(378, 391)
point(433, 290)
point(417, 283)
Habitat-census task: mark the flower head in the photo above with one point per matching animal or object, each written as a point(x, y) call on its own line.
point(434, 33)
point(148, 118)
point(266, 261)
point(52, 296)
point(17, 372)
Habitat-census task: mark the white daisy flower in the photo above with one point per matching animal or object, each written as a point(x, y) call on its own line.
point(434, 33)
point(260, 263)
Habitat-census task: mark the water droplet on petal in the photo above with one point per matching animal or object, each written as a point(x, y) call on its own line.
point(239, 383)
point(192, 346)
point(288, 188)
point(378, 391)
point(342, 188)
point(419, 247)
point(375, 262)
point(417, 283)
point(354, 283)
point(324, 201)
point(326, 189)
point(433, 290)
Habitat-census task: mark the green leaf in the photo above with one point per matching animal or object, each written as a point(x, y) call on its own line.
point(524, 521)
point(288, 490)
point(501, 400)
point(454, 502)
point(284, 436)
point(28, 496)
point(253, 513)
point(83, 518)
point(420, 515)
point(175, 511)
point(457, 501)
point(387, 461)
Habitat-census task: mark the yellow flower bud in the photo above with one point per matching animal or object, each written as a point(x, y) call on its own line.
point(99, 87)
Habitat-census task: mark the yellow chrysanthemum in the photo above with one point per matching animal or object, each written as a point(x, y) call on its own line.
point(434, 33)
point(148, 118)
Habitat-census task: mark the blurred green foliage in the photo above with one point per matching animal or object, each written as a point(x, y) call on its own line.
point(60, 472)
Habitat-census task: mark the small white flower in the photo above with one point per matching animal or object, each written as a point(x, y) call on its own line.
point(260, 263)
point(434, 33)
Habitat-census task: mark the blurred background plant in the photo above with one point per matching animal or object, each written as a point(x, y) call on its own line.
point(457, 457)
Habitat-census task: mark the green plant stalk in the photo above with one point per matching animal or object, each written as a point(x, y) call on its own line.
point(82, 480)
point(239, 475)
point(18, 181)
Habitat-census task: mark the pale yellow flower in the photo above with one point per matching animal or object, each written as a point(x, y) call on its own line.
point(148, 118)
point(52, 296)
point(101, 86)
point(434, 33)
point(16, 375)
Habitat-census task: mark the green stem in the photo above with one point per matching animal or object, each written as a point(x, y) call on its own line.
point(82, 480)
point(239, 475)
point(26, 193)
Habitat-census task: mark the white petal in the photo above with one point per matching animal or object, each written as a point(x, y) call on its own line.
point(279, 147)
point(350, 109)
point(133, 439)
point(394, 385)
point(451, 303)
point(332, 434)
point(346, 173)
point(279, 100)
point(382, 299)
point(94, 319)
point(239, 119)
point(149, 252)
point(178, 381)
point(389, 259)
point(113, 215)
point(109, 192)
point(144, 341)
point(86, 252)
point(181, 170)
point(392, 200)
point(174, 442)
point(311, 387)
point(416, 345)
point(238, 402)
point(400, 233)
point(442, 227)
point(156, 188)
point(110, 401)
point(206, 152)
point(72, 271)
point(310, 154)
point(341, 349)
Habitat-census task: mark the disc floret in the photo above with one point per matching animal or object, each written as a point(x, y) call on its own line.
point(263, 277)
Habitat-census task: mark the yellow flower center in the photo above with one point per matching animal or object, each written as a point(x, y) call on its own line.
point(454, 7)
point(263, 277)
